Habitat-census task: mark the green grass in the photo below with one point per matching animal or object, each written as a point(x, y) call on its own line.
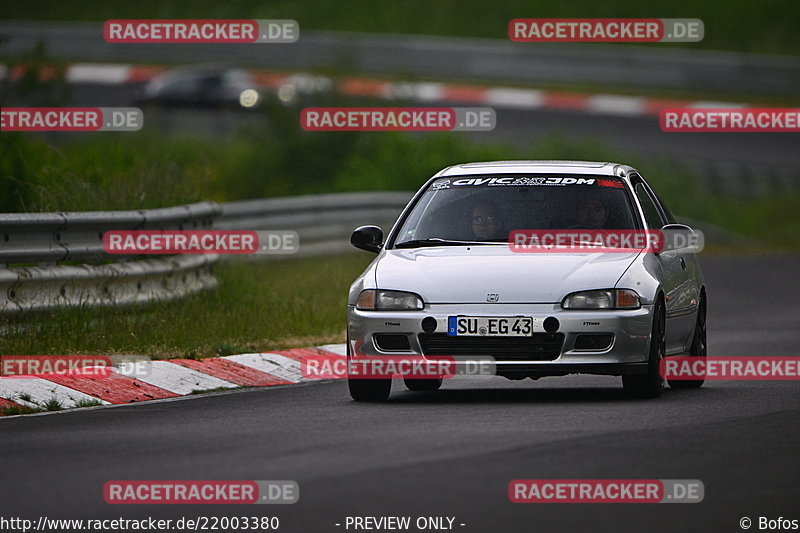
point(53, 404)
point(767, 26)
point(257, 307)
point(88, 403)
point(12, 410)
point(143, 170)
point(103, 172)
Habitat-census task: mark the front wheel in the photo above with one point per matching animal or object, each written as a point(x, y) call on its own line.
point(370, 390)
point(651, 384)
point(423, 384)
point(367, 390)
point(698, 349)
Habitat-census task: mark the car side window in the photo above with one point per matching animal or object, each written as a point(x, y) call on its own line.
point(665, 209)
point(651, 214)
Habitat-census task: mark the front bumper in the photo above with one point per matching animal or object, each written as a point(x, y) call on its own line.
point(627, 352)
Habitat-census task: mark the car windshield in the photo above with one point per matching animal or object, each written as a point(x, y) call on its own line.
point(463, 210)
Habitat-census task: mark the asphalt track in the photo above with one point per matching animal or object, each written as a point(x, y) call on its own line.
point(453, 453)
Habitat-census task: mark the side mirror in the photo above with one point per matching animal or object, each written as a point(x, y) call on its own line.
point(369, 238)
point(682, 238)
point(670, 227)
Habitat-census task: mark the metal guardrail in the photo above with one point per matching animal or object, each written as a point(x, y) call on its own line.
point(57, 237)
point(54, 260)
point(46, 287)
point(440, 57)
point(323, 222)
point(51, 260)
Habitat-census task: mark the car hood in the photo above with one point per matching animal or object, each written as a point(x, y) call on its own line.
point(468, 274)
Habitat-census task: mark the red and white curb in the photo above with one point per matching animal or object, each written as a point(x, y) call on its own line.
point(425, 92)
point(151, 380)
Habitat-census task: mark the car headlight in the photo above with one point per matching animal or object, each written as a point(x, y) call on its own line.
point(382, 300)
point(603, 299)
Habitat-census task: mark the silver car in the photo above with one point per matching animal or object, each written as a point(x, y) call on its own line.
point(447, 282)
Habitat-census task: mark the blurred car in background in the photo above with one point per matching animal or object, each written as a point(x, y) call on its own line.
point(202, 86)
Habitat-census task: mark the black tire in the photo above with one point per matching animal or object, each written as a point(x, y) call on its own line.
point(368, 390)
point(651, 384)
point(421, 385)
point(699, 348)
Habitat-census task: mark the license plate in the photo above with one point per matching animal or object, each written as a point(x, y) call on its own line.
point(486, 326)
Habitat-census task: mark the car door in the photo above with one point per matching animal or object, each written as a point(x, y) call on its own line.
point(672, 267)
point(684, 316)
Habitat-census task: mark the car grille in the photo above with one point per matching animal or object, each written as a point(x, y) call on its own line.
point(538, 347)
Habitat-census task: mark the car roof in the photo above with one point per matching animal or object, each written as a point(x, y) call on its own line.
point(596, 168)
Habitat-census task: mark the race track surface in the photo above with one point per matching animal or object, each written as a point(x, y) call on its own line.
point(453, 452)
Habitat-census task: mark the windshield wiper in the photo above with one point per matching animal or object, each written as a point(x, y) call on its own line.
point(435, 241)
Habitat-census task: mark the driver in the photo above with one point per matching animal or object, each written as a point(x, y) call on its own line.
point(487, 222)
point(591, 213)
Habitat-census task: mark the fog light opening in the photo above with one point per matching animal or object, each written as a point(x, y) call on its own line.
point(428, 324)
point(551, 324)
